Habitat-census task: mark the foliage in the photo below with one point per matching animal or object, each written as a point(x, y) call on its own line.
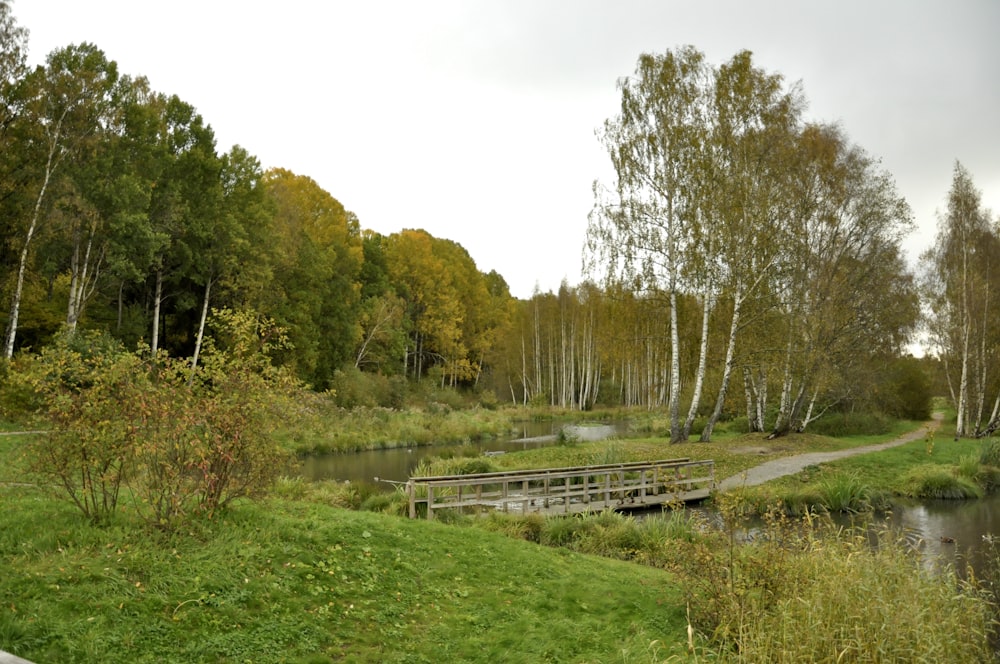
point(989, 452)
point(180, 443)
point(809, 591)
point(845, 493)
point(88, 389)
point(352, 388)
point(934, 481)
point(907, 390)
point(852, 424)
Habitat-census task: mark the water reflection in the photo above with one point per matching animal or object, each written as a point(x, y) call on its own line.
point(955, 532)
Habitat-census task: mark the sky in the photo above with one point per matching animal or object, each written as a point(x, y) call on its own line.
point(475, 120)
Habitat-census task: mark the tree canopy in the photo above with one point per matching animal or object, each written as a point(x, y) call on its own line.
point(736, 246)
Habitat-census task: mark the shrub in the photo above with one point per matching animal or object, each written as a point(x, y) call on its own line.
point(808, 591)
point(968, 466)
point(852, 424)
point(844, 492)
point(88, 394)
point(989, 452)
point(934, 481)
point(528, 527)
point(180, 441)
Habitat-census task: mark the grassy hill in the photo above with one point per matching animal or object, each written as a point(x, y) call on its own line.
point(284, 581)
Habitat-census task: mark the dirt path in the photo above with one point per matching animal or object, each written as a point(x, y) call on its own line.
point(792, 464)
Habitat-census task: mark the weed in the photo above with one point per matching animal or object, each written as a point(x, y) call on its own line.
point(844, 492)
point(937, 481)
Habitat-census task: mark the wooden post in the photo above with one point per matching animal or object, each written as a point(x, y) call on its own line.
point(430, 502)
point(411, 491)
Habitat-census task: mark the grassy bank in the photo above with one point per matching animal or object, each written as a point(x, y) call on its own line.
point(732, 452)
point(287, 581)
point(936, 466)
point(296, 579)
point(318, 427)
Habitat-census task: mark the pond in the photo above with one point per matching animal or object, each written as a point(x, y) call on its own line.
point(396, 464)
point(958, 533)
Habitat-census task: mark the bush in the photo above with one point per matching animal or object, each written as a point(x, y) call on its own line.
point(180, 441)
point(845, 493)
point(989, 452)
point(934, 481)
point(87, 394)
point(851, 424)
point(353, 388)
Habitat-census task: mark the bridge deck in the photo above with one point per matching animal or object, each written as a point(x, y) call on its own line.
point(620, 486)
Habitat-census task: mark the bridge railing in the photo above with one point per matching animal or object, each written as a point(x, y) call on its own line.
point(565, 490)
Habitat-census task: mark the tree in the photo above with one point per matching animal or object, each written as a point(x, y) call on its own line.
point(846, 289)
point(70, 98)
point(318, 257)
point(755, 121)
point(641, 231)
point(960, 282)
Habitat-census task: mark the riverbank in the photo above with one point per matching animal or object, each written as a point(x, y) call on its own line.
point(789, 465)
point(293, 579)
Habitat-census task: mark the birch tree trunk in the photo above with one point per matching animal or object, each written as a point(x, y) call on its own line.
point(157, 298)
point(83, 275)
point(51, 163)
point(699, 379)
point(201, 330)
point(727, 370)
point(675, 372)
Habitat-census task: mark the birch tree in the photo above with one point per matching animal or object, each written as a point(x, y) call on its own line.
point(755, 121)
point(640, 231)
point(69, 98)
point(842, 270)
point(960, 283)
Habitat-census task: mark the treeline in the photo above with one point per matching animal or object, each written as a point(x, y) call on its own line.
point(743, 262)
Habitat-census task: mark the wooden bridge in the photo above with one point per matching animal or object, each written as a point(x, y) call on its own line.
point(567, 490)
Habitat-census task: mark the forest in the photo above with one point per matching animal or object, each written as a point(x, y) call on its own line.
point(742, 263)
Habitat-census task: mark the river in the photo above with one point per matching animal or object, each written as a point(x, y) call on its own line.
point(387, 466)
point(958, 532)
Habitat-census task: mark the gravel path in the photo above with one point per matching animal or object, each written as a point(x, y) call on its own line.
point(793, 464)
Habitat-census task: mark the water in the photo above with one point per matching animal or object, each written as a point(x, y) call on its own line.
point(396, 465)
point(955, 532)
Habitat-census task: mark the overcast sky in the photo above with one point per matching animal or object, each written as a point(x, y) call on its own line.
point(475, 120)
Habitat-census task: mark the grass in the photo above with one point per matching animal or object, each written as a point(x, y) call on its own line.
point(287, 581)
point(297, 578)
point(319, 427)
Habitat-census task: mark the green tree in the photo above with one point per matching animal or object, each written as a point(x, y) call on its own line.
point(318, 257)
point(642, 228)
point(845, 286)
point(13, 69)
point(960, 282)
point(70, 97)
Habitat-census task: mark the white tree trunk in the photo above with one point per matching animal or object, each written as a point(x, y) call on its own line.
point(699, 379)
point(675, 372)
point(201, 330)
point(157, 297)
point(51, 162)
point(83, 276)
point(727, 370)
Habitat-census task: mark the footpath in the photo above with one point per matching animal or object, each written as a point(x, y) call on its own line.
point(793, 464)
